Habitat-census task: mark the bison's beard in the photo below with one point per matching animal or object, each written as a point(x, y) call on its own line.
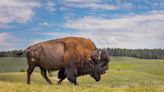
point(98, 70)
point(86, 67)
point(89, 67)
point(96, 76)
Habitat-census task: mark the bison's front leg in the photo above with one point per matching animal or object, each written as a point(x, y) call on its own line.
point(71, 74)
point(61, 75)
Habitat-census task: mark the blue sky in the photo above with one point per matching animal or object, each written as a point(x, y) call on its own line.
point(109, 23)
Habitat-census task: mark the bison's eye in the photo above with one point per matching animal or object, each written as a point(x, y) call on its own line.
point(94, 57)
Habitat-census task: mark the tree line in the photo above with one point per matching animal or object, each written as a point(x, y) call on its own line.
point(137, 53)
point(12, 53)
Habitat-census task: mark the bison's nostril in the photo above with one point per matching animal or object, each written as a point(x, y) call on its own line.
point(97, 80)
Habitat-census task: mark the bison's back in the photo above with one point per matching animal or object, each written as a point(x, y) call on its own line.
point(80, 41)
point(54, 54)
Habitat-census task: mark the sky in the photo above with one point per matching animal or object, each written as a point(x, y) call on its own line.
point(132, 24)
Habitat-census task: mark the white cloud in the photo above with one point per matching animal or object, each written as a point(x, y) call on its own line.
point(7, 40)
point(92, 4)
point(131, 31)
point(11, 41)
point(50, 6)
point(4, 37)
point(115, 4)
point(96, 23)
point(44, 24)
point(86, 1)
point(16, 11)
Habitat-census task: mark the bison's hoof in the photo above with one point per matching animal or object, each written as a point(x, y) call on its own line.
point(28, 83)
point(59, 82)
point(76, 84)
point(51, 83)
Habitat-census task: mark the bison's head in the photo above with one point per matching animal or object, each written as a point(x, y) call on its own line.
point(101, 59)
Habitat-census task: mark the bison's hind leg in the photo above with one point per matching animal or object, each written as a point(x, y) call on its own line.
point(61, 75)
point(44, 74)
point(29, 72)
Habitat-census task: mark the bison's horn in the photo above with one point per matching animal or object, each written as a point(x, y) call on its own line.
point(99, 55)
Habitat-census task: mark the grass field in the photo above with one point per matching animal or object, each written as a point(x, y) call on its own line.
point(126, 74)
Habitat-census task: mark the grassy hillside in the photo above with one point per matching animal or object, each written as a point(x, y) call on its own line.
point(9, 64)
point(126, 74)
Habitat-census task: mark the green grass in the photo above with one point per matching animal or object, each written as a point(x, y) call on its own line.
point(125, 74)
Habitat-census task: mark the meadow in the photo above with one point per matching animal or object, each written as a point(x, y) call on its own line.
point(125, 74)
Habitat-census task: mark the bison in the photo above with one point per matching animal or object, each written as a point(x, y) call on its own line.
point(72, 56)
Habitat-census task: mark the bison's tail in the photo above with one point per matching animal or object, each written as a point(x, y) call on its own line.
point(23, 52)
